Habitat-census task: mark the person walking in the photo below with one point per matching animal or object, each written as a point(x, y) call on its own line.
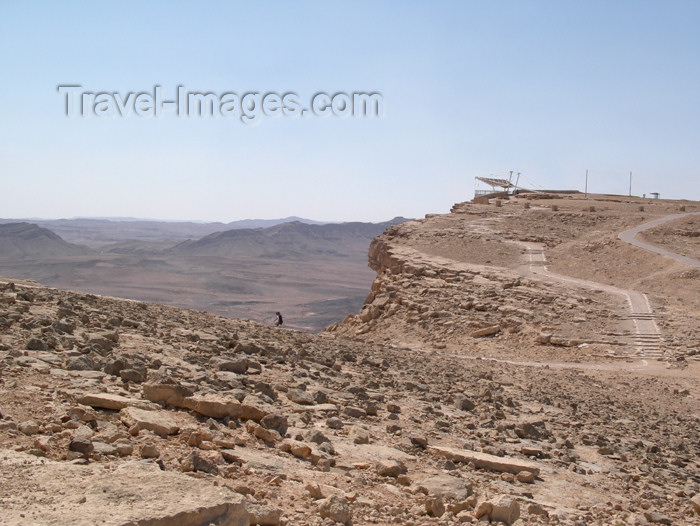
point(279, 321)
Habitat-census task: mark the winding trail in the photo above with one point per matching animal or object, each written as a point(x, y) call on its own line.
point(630, 236)
point(648, 338)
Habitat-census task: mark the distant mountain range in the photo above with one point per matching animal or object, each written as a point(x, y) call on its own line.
point(97, 232)
point(313, 272)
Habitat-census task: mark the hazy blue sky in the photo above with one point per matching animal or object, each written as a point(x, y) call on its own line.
point(547, 88)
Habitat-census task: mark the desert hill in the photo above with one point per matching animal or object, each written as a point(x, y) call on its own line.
point(294, 240)
point(476, 384)
point(27, 241)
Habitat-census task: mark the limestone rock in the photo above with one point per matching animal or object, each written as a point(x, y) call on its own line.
point(253, 408)
point(149, 450)
point(300, 397)
point(213, 405)
point(336, 509)
point(264, 515)
point(111, 401)
point(157, 421)
point(276, 422)
point(505, 509)
point(434, 506)
point(30, 427)
point(486, 331)
point(446, 487)
point(695, 501)
point(132, 493)
point(464, 403)
point(390, 468)
point(166, 394)
point(81, 445)
point(486, 461)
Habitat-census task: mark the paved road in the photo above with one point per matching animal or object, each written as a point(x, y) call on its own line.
point(630, 236)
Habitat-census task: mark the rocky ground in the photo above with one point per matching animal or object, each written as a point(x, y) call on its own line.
point(465, 391)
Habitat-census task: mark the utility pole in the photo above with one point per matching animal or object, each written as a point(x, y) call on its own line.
point(630, 184)
point(586, 190)
point(517, 179)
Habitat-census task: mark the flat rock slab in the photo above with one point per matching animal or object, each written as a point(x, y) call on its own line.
point(41, 491)
point(112, 401)
point(369, 453)
point(260, 460)
point(215, 406)
point(446, 487)
point(485, 461)
point(157, 421)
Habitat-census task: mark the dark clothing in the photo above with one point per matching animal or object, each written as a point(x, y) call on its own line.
point(279, 320)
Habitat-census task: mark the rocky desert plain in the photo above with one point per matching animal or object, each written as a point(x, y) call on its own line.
point(532, 359)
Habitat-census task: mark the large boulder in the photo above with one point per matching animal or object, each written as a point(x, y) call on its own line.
point(158, 422)
point(214, 406)
point(135, 493)
point(166, 394)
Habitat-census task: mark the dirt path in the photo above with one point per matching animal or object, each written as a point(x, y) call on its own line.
point(648, 339)
point(630, 236)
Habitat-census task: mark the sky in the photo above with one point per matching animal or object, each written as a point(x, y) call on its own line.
point(549, 89)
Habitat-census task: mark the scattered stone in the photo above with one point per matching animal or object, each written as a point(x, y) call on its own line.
point(359, 436)
point(486, 331)
point(253, 408)
point(526, 477)
point(300, 397)
point(275, 421)
point(446, 487)
point(336, 509)
point(657, 518)
point(205, 464)
point(393, 407)
point(434, 506)
point(81, 445)
point(354, 412)
point(419, 440)
point(264, 515)
point(695, 502)
point(505, 509)
point(166, 394)
point(334, 422)
point(234, 365)
point(390, 468)
point(149, 450)
point(30, 427)
point(464, 403)
point(133, 375)
point(36, 344)
point(213, 405)
point(484, 509)
point(314, 491)
point(537, 509)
